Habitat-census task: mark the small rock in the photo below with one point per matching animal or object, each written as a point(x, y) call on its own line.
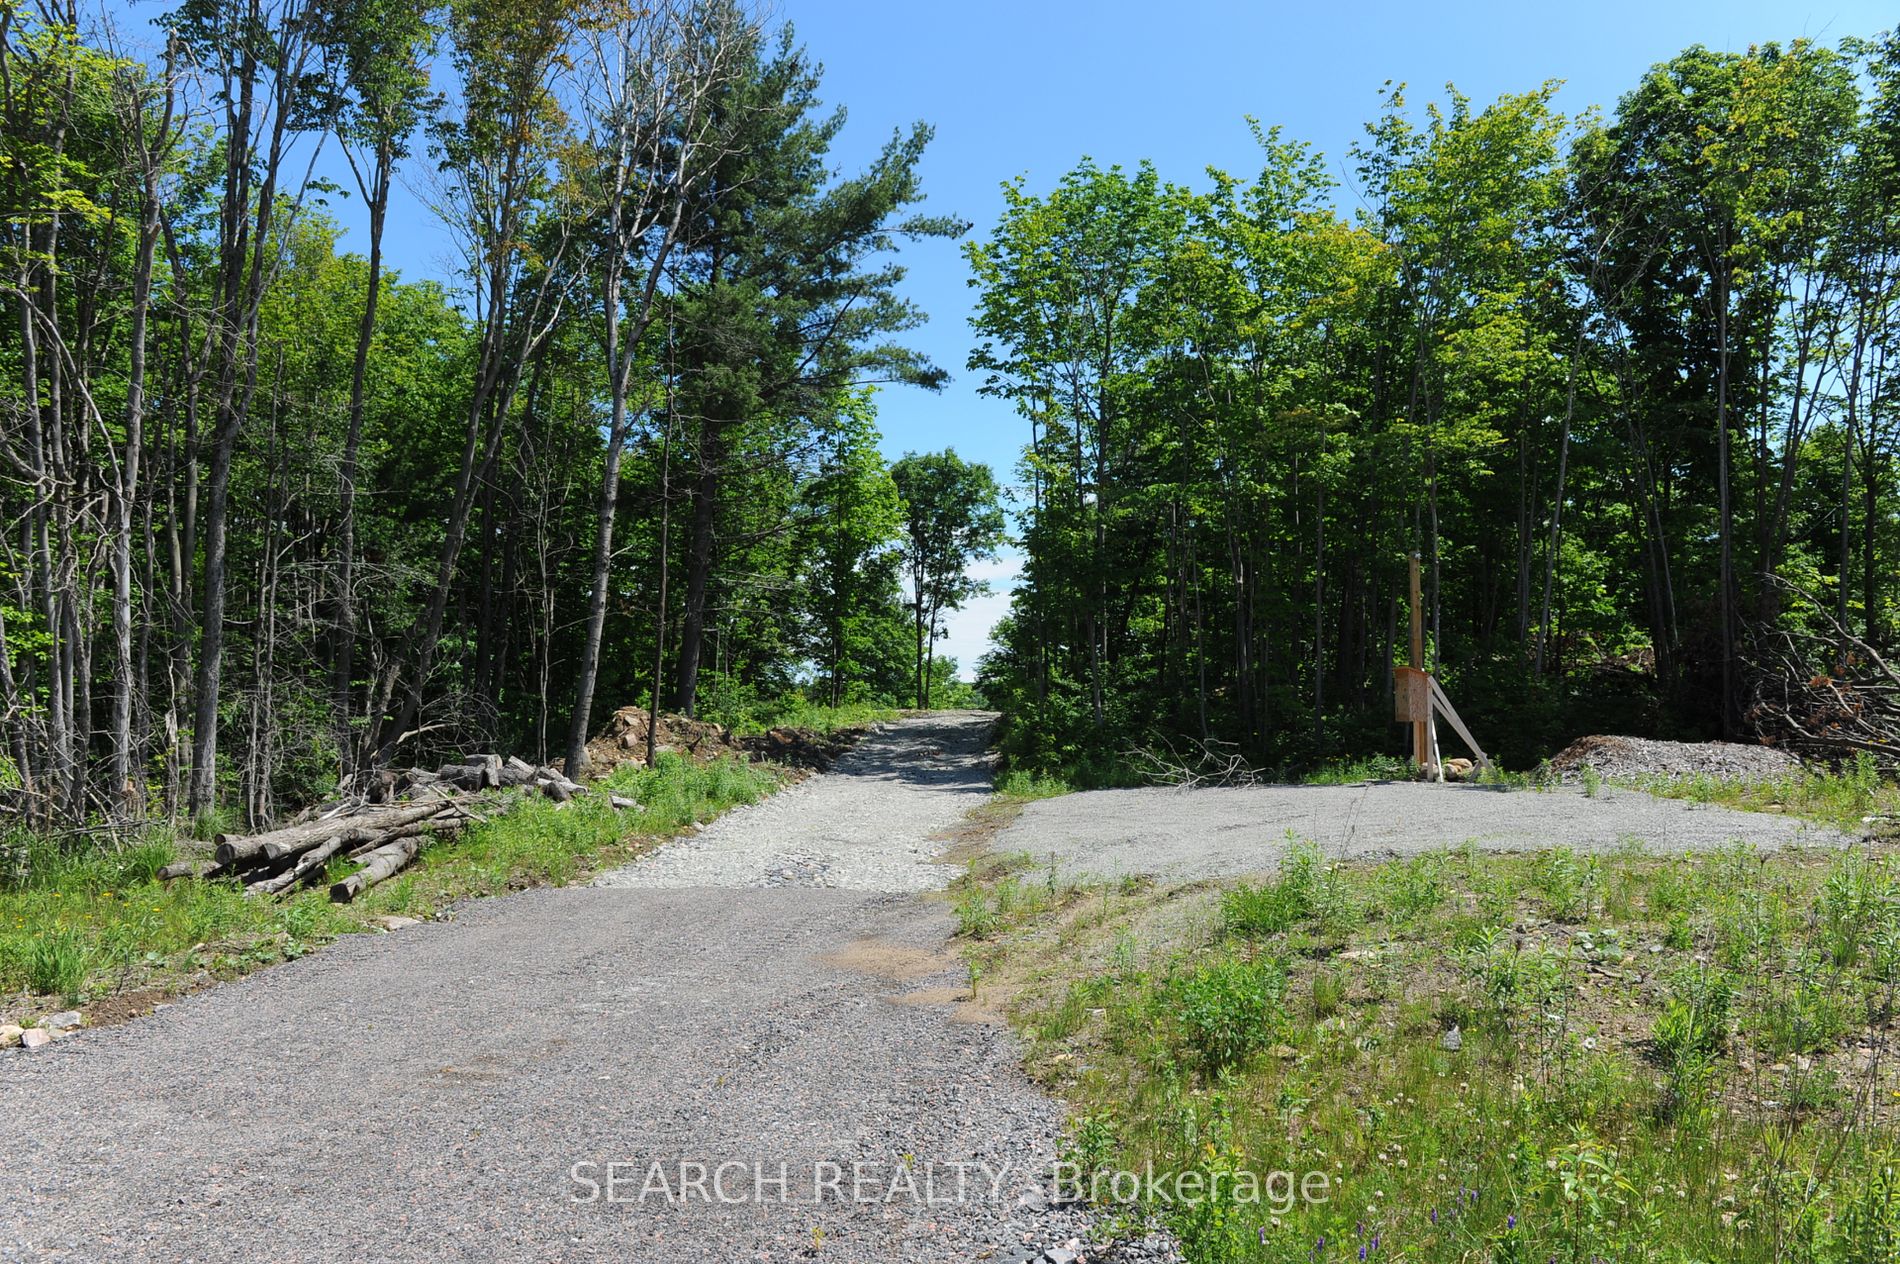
point(392, 922)
point(65, 1020)
point(10, 1034)
point(36, 1038)
point(1452, 1041)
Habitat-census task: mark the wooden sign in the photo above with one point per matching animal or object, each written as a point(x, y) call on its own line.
point(1411, 695)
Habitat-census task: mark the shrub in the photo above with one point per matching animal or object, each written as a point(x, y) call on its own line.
point(1023, 784)
point(1415, 888)
point(1227, 1010)
point(1253, 912)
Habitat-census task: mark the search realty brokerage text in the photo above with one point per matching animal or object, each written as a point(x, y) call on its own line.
point(736, 1181)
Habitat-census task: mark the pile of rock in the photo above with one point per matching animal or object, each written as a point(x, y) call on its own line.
point(48, 1030)
point(1632, 758)
point(624, 740)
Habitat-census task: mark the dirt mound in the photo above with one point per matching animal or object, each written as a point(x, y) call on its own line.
point(624, 741)
point(802, 748)
point(1629, 757)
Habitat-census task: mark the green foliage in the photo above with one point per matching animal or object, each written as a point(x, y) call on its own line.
point(1027, 785)
point(56, 963)
point(1542, 354)
point(952, 518)
point(1227, 1010)
point(1253, 912)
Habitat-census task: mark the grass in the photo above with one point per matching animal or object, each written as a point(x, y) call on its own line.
point(78, 926)
point(1346, 772)
point(1672, 1060)
point(1025, 786)
point(1840, 797)
point(799, 713)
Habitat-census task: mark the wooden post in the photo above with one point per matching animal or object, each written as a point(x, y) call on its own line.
point(1422, 753)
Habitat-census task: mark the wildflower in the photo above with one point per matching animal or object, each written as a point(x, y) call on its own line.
point(1510, 1222)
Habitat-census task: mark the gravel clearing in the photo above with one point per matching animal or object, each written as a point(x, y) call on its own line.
point(424, 1095)
point(1186, 835)
point(868, 826)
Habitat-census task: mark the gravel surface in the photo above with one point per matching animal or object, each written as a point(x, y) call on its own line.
point(424, 1095)
point(1184, 835)
point(1644, 757)
point(867, 827)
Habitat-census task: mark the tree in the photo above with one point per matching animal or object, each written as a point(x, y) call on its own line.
point(850, 519)
point(661, 71)
point(953, 518)
point(378, 52)
point(789, 296)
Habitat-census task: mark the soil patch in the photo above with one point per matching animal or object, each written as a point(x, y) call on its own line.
point(624, 741)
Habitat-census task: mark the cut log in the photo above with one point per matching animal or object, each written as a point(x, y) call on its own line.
point(380, 865)
point(308, 866)
point(240, 852)
point(560, 791)
point(177, 869)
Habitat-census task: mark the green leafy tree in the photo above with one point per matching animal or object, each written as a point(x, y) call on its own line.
point(953, 518)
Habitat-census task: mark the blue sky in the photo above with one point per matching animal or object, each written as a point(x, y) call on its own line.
point(1028, 88)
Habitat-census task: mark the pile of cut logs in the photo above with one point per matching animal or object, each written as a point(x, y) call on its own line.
point(381, 828)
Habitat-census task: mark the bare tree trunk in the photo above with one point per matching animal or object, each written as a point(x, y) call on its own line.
point(699, 568)
point(343, 647)
point(1557, 508)
point(126, 500)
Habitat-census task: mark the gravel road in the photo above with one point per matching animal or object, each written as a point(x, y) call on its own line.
point(424, 1095)
point(1182, 836)
point(866, 827)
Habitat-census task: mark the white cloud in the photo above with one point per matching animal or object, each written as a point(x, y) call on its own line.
point(969, 629)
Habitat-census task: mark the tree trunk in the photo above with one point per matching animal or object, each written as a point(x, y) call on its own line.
point(699, 568)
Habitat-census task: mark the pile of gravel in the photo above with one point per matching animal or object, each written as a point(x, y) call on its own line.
point(1633, 757)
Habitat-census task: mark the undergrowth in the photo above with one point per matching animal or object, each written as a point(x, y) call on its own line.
point(1565, 1057)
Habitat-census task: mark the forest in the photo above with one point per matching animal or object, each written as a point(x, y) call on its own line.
point(1619, 379)
point(278, 516)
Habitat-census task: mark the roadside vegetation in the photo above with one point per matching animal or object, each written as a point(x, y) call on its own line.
point(1501, 1058)
point(79, 924)
point(798, 712)
point(1847, 797)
